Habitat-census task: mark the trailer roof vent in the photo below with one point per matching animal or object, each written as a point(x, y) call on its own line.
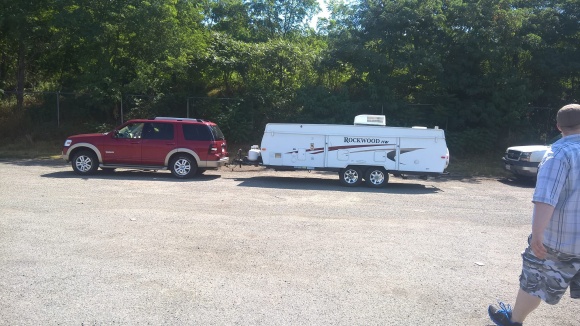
point(370, 120)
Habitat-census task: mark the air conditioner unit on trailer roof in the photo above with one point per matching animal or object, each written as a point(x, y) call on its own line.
point(370, 120)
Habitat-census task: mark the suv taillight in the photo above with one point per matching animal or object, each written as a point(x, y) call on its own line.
point(212, 148)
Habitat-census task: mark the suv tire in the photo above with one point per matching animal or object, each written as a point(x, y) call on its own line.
point(85, 162)
point(183, 166)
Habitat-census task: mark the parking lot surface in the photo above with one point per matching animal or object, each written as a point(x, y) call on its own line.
point(250, 246)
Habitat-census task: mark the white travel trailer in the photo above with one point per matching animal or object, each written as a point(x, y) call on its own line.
point(366, 150)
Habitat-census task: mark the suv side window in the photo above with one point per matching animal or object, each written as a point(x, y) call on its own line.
point(132, 130)
point(159, 131)
point(196, 132)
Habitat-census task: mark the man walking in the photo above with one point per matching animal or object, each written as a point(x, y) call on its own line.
point(551, 263)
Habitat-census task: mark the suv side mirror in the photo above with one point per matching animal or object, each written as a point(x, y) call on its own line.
point(116, 134)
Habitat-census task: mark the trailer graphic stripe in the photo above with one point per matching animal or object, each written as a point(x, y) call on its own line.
point(311, 151)
point(391, 155)
point(334, 148)
point(319, 150)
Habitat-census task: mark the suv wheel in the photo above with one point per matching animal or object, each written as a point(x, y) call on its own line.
point(85, 162)
point(183, 166)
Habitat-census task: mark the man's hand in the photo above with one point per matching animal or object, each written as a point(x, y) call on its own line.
point(537, 246)
point(542, 215)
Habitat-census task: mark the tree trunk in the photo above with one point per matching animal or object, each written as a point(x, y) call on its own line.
point(20, 76)
point(3, 68)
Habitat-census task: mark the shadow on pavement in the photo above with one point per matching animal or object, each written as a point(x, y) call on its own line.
point(133, 175)
point(36, 162)
point(518, 182)
point(121, 174)
point(331, 185)
point(270, 182)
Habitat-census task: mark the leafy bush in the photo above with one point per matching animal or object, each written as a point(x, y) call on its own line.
point(471, 141)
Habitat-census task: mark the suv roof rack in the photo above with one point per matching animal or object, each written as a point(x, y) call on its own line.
point(179, 119)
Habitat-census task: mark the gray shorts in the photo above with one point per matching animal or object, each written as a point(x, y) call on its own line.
point(548, 279)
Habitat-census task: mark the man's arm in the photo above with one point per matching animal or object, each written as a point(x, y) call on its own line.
point(542, 215)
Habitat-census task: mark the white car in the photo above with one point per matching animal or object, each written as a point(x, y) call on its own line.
point(523, 161)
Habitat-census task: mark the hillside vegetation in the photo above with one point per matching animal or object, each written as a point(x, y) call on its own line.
point(491, 73)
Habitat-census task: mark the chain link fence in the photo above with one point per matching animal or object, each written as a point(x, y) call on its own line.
point(58, 107)
point(63, 112)
point(42, 114)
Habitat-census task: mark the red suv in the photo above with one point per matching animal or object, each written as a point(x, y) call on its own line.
point(185, 146)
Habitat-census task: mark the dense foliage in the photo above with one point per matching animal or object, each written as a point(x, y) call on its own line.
point(490, 72)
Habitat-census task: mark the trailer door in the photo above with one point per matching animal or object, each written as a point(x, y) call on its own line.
point(307, 151)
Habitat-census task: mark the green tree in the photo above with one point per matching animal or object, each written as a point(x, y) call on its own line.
point(281, 18)
point(140, 47)
point(25, 37)
point(230, 17)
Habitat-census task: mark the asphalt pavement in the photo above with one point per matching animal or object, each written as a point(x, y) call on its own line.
point(251, 246)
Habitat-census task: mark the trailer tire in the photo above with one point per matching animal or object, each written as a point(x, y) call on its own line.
point(376, 177)
point(350, 176)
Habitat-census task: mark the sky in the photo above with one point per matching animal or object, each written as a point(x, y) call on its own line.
point(323, 13)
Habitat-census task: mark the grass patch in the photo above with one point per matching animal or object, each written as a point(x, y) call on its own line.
point(26, 148)
point(485, 165)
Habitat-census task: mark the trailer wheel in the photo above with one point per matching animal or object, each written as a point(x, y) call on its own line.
point(376, 177)
point(351, 176)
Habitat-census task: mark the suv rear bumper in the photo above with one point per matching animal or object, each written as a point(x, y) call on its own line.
point(216, 164)
point(527, 169)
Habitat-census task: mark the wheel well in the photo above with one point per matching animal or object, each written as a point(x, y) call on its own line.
point(361, 168)
point(80, 149)
point(364, 169)
point(172, 157)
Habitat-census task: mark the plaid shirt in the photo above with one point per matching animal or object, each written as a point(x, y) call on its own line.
point(558, 185)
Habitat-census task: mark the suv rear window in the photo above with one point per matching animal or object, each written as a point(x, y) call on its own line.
point(217, 133)
point(197, 132)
